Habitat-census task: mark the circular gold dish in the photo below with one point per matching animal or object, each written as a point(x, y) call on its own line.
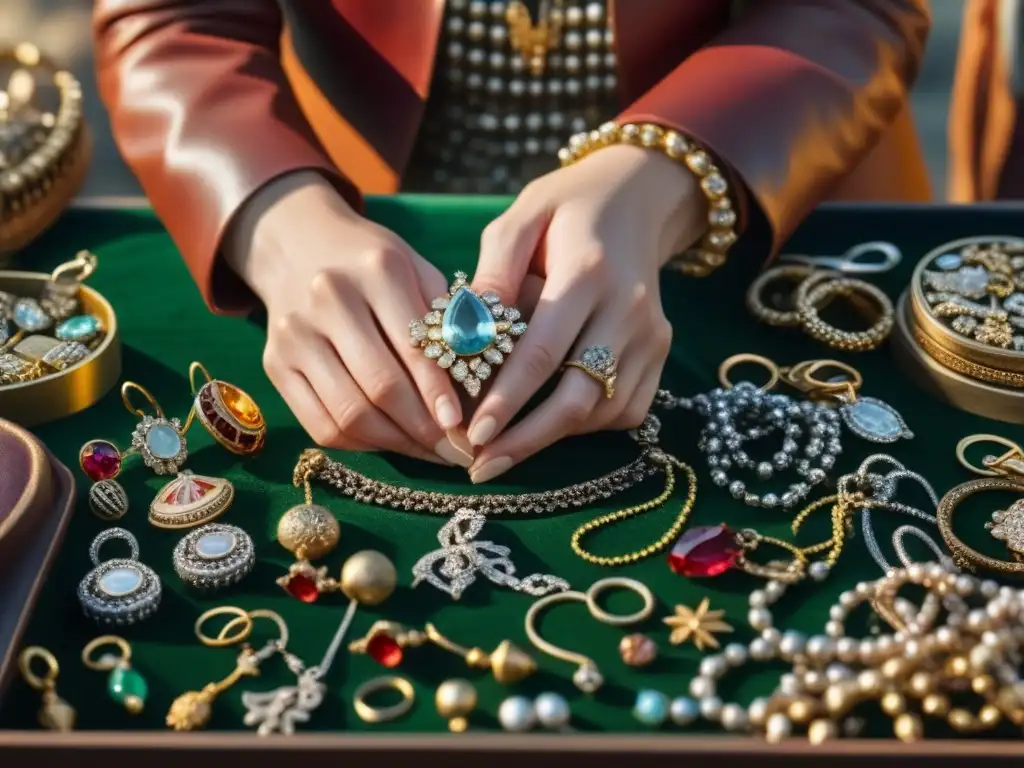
point(923, 319)
point(45, 145)
point(968, 393)
point(75, 388)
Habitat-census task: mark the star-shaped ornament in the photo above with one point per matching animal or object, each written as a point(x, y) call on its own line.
point(698, 625)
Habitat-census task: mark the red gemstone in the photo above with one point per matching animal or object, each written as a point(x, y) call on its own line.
point(385, 650)
point(302, 588)
point(100, 460)
point(704, 551)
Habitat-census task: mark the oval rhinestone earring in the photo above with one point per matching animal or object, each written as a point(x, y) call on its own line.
point(228, 413)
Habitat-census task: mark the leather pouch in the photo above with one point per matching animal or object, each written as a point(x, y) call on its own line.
point(37, 495)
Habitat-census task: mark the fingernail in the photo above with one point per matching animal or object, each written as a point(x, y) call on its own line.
point(446, 413)
point(482, 431)
point(491, 469)
point(451, 454)
point(461, 442)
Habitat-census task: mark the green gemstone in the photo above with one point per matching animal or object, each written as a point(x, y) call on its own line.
point(128, 687)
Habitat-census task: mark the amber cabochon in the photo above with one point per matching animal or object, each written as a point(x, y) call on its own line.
point(75, 388)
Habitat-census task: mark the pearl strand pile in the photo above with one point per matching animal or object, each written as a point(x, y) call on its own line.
point(977, 649)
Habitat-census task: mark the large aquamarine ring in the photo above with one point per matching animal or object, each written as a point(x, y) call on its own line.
point(467, 333)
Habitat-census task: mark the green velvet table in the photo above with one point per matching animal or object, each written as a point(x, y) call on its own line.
point(165, 326)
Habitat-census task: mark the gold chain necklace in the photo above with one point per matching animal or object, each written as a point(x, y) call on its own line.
point(533, 41)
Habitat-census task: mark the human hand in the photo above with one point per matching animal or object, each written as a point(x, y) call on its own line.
point(339, 292)
point(598, 232)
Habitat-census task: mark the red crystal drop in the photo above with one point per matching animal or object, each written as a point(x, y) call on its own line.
point(385, 650)
point(302, 588)
point(100, 460)
point(704, 551)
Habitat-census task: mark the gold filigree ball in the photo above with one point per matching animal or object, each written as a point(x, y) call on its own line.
point(308, 531)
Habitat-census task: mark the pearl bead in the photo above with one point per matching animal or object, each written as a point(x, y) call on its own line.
point(777, 728)
point(837, 673)
point(734, 718)
point(702, 687)
point(760, 650)
point(759, 618)
point(789, 684)
point(791, 644)
point(683, 710)
point(552, 710)
point(712, 667)
point(711, 708)
point(774, 590)
point(516, 714)
point(735, 654)
point(757, 711)
point(758, 599)
point(819, 647)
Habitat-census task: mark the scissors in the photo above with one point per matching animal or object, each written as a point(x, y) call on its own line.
point(882, 257)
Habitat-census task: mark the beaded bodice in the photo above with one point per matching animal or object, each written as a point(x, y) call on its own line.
point(491, 124)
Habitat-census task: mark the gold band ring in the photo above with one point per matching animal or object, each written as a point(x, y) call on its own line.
point(370, 714)
point(600, 364)
point(106, 662)
point(259, 613)
point(222, 640)
point(745, 357)
point(39, 682)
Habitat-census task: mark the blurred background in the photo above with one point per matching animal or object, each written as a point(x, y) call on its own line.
point(60, 28)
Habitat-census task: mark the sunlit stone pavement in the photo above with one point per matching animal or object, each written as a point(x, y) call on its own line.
point(61, 29)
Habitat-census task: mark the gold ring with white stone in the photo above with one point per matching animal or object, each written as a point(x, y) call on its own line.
point(600, 364)
point(467, 333)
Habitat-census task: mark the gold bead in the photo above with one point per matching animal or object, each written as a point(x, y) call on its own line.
point(983, 684)
point(908, 727)
point(510, 664)
point(895, 668)
point(894, 704)
point(935, 704)
point(477, 657)
point(921, 684)
point(308, 531)
point(821, 731)
point(454, 700)
point(368, 577)
point(957, 666)
point(838, 698)
point(801, 710)
point(961, 719)
point(989, 715)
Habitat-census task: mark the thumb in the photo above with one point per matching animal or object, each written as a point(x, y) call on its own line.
point(506, 250)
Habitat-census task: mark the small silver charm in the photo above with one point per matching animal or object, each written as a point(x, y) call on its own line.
point(875, 420)
point(461, 559)
point(122, 590)
point(108, 500)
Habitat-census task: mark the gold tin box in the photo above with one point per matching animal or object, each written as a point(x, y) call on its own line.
point(76, 387)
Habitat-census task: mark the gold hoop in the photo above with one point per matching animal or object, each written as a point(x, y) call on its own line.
point(755, 301)
point(370, 714)
point(40, 683)
point(994, 464)
point(808, 303)
point(963, 555)
point(259, 613)
point(220, 641)
point(105, 663)
point(127, 388)
point(83, 265)
point(194, 367)
point(746, 357)
point(620, 582)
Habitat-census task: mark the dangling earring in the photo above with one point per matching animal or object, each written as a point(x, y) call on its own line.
point(228, 413)
point(159, 440)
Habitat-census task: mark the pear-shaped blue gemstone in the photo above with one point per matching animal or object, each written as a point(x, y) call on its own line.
point(467, 326)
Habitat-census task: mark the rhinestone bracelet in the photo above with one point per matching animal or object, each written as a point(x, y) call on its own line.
point(710, 254)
